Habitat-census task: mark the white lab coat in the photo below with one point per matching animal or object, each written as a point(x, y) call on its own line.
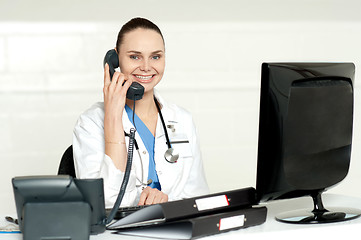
point(179, 180)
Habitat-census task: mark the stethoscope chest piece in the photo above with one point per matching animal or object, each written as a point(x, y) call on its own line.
point(171, 155)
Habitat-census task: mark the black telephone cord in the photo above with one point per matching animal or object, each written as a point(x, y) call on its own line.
point(126, 174)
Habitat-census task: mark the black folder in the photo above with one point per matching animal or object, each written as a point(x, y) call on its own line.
point(188, 208)
point(202, 226)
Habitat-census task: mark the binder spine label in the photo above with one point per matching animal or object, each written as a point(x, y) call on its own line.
point(212, 202)
point(231, 222)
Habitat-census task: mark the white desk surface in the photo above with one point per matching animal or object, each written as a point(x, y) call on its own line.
point(272, 229)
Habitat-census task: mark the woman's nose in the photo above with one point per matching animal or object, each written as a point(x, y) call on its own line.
point(145, 65)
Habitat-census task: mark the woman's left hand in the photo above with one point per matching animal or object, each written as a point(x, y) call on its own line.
point(152, 196)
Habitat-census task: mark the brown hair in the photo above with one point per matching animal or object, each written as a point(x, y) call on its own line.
point(134, 24)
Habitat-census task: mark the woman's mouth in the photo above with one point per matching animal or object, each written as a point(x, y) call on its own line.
point(144, 78)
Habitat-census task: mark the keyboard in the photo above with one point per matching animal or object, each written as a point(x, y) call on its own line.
point(124, 211)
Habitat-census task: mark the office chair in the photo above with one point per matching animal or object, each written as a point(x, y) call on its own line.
point(66, 166)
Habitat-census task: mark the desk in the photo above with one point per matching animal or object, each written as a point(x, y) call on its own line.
point(272, 229)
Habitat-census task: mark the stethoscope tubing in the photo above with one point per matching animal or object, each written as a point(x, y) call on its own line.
point(163, 123)
point(168, 153)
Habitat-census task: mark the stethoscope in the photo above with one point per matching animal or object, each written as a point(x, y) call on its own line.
point(170, 154)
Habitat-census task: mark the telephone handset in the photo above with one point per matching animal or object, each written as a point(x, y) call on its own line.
point(136, 90)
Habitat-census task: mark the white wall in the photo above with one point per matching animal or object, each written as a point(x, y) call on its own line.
point(51, 70)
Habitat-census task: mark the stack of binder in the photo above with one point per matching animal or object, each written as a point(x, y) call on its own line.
point(195, 217)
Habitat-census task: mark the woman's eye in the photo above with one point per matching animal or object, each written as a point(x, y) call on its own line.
point(134, 57)
point(156, 57)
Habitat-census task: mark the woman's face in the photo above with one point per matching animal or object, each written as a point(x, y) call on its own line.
point(142, 57)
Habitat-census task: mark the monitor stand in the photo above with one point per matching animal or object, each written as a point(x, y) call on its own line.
point(319, 214)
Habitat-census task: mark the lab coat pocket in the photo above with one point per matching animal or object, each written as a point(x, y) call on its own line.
point(180, 143)
point(173, 176)
point(183, 148)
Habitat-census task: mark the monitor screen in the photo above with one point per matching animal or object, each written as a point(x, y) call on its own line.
point(305, 128)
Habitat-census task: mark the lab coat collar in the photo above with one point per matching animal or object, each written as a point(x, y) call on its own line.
point(161, 101)
point(167, 112)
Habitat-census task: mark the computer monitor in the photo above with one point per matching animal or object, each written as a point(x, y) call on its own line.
point(305, 135)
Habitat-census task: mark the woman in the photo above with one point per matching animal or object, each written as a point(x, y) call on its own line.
point(100, 142)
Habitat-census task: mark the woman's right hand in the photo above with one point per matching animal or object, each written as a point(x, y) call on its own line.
point(114, 93)
point(114, 102)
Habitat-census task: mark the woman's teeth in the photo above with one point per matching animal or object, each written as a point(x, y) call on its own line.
point(144, 77)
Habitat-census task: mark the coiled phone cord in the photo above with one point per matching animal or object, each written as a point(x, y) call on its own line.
point(126, 174)
point(125, 178)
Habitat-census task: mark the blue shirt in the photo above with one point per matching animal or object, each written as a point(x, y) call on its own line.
point(148, 140)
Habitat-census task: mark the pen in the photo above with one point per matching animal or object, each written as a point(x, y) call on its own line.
point(12, 220)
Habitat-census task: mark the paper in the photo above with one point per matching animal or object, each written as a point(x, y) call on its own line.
point(212, 202)
point(182, 230)
point(150, 215)
point(231, 222)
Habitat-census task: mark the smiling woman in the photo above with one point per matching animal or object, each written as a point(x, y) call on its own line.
point(141, 57)
point(99, 140)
